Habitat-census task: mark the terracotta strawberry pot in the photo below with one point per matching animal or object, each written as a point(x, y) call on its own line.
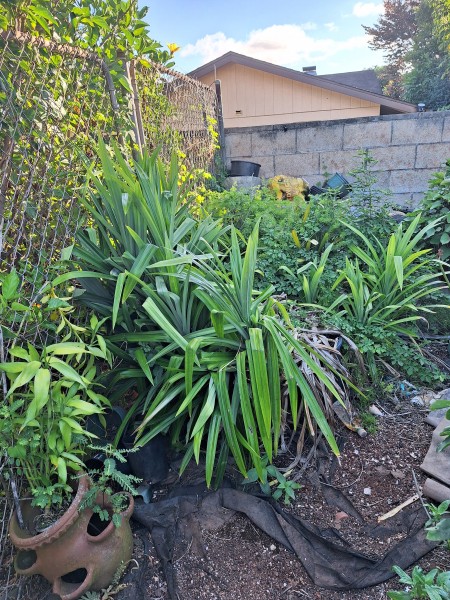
point(77, 553)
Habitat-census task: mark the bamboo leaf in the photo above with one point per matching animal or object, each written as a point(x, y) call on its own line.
point(66, 370)
point(66, 348)
point(26, 374)
point(62, 469)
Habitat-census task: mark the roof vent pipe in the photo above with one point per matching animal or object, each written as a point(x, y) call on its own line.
point(310, 70)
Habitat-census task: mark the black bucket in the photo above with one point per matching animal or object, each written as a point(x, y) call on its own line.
point(244, 168)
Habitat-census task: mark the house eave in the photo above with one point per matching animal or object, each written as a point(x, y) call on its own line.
point(390, 104)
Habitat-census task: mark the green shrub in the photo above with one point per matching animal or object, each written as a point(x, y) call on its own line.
point(382, 293)
point(204, 352)
point(434, 585)
point(294, 233)
point(435, 204)
point(243, 208)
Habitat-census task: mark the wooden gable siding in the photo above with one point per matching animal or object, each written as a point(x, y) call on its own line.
point(266, 99)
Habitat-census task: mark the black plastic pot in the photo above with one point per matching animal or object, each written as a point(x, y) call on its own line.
point(244, 168)
point(151, 461)
point(113, 418)
point(338, 182)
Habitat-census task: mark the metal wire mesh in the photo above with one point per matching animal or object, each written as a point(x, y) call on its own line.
point(178, 113)
point(53, 105)
point(55, 101)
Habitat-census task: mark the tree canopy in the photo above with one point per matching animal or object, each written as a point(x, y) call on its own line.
point(415, 38)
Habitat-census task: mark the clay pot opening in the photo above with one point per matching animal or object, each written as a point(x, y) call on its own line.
point(25, 559)
point(77, 576)
point(73, 584)
point(96, 526)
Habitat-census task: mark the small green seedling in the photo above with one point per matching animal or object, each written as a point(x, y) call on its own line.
point(438, 524)
point(284, 487)
point(434, 585)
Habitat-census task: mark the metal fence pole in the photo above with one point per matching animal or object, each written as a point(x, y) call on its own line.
point(223, 154)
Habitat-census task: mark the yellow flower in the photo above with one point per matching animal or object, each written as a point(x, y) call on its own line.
point(173, 48)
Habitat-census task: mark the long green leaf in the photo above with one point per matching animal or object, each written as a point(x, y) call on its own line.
point(260, 387)
point(227, 419)
point(251, 429)
point(207, 409)
point(211, 446)
point(164, 324)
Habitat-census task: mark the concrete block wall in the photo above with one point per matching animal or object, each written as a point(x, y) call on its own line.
point(409, 149)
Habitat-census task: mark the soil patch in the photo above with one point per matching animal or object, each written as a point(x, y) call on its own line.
point(374, 473)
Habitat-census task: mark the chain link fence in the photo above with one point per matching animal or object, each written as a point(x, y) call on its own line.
point(55, 100)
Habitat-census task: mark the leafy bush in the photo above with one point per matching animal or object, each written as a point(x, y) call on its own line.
point(205, 353)
point(381, 293)
point(438, 523)
point(368, 201)
point(243, 208)
point(50, 395)
point(435, 204)
point(378, 344)
point(385, 287)
point(293, 233)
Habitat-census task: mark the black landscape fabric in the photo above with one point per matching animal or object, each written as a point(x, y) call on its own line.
point(329, 564)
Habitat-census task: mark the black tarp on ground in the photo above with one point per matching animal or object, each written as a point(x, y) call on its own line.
point(329, 564)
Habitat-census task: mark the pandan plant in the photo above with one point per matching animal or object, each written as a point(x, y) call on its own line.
point(206, 357)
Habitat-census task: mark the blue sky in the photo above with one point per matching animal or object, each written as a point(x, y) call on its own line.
point(291, 33)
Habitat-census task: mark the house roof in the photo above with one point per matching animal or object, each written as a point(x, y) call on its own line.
point(363, 80)
point(359, 84)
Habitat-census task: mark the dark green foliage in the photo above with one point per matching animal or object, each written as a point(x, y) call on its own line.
point(436, 204)
point(414, 36)
point(427, 81)
point(202, 351)
point(382, 293)
point(375, 343)
point(278, 218)
point(282, 487)
point(294, 233)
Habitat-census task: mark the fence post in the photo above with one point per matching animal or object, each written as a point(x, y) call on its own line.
point(223, 154)
point(136, 107)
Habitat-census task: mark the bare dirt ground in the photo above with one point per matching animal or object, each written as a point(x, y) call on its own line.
point(240, 562)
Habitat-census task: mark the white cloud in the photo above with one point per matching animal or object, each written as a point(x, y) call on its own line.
point(367, 9)
point(287, 45)
point(331, 26)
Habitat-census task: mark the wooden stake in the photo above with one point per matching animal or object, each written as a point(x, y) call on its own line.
point(398, 508)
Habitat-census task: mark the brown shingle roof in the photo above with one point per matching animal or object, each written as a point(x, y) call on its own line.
point(363, 80)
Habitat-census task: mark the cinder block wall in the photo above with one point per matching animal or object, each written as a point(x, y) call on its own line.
point(409, 149)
